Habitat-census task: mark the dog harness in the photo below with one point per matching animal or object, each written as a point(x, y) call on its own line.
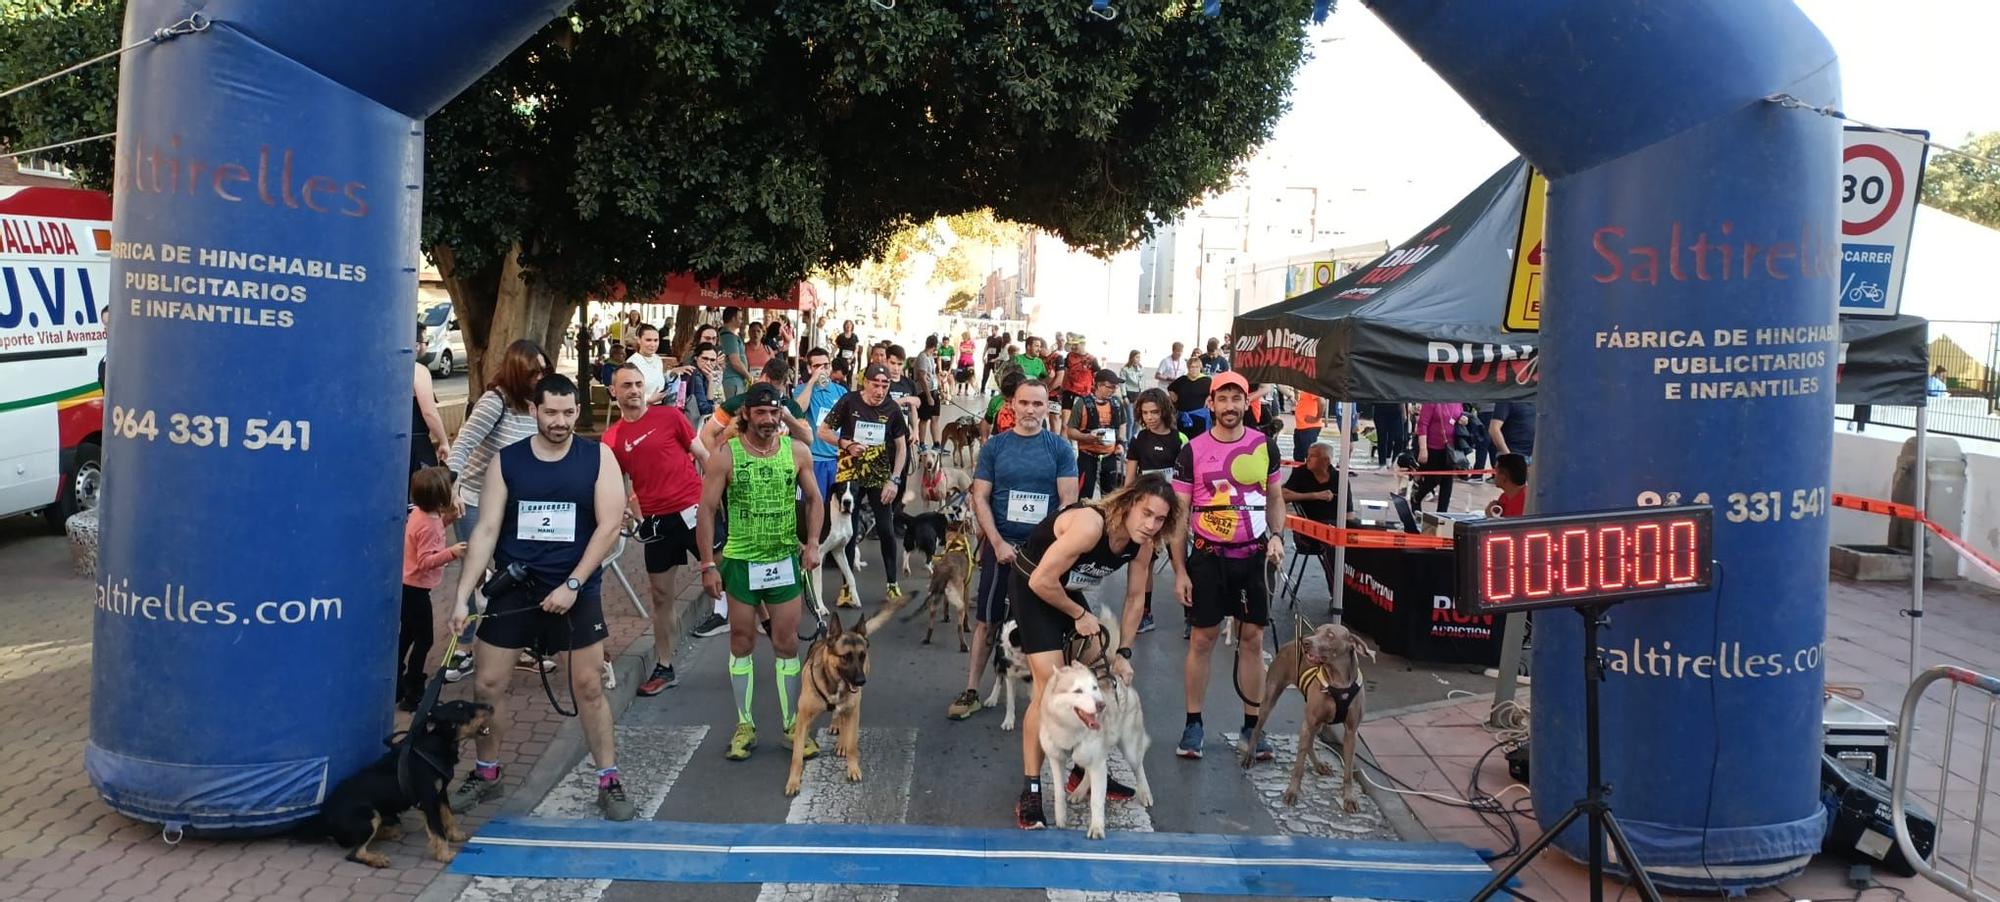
point(1343, 697)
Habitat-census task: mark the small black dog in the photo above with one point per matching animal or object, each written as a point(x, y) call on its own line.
point(922, 532)
point(367, 806)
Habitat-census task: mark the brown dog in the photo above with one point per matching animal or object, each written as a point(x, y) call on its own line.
point(951, 583)
point(835, 671)
point(962, 435)
point(1326, 666)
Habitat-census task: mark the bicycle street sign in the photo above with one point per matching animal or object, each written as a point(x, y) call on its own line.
point(1879, 182)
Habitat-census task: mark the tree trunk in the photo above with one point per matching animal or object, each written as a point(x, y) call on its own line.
point(685, 318)
point(496, 308)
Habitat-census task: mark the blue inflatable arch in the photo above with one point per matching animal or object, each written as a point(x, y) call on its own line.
point(1684, 210)
point(269, 188)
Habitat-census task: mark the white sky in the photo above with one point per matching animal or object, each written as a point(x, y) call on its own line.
point(1367, 113)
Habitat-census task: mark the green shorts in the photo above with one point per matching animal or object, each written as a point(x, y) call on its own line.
point(736, 581)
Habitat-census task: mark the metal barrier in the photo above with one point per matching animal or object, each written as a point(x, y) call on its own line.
point(1899, 788)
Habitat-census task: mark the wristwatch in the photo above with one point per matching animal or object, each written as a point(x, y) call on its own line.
point(573, 584)
point(1125, 652)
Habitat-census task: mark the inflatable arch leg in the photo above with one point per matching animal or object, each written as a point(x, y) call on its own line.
point(1690, 224)
point(269, 178)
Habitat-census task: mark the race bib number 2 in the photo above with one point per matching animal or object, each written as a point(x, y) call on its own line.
point(1027, 507)
point(871, 434)
point(545, 521)
point(774, 575)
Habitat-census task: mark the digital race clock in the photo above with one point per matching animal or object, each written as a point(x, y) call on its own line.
point(1568, 560)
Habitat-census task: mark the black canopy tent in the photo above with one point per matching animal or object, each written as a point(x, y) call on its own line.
point(1424, 322)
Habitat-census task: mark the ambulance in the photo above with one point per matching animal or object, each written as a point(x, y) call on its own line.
point(55, 290)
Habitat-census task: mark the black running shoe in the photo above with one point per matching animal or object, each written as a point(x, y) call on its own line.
point(712, 625)
point(1028, 812)
point(1113, 790)
point(662, 679)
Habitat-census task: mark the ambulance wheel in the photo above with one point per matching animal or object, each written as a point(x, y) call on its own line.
point(79, 487)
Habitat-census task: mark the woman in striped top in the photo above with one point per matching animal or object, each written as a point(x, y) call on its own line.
point(499, 418)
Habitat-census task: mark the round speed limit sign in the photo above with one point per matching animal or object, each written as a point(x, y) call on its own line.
point(1871, 188)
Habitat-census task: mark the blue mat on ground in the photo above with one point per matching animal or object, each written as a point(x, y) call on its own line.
point(977, 858)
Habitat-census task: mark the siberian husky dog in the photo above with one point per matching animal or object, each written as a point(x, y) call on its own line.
point(1085, 714)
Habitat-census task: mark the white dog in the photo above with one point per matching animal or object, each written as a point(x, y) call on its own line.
point(1085, 716)
point(840, 531)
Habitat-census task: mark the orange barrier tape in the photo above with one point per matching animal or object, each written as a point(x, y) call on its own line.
point(1410, 473)
point(1908, 512)
point(1362, 538)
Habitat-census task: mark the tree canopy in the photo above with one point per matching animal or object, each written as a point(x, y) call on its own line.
point(760, 140)
point(1966, 187)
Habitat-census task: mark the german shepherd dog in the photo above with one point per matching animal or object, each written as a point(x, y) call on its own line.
point(1325, 665)
point(367, 806)
point(835, 671)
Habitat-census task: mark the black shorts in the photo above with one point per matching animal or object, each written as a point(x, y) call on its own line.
point(1039, 627)
point(668, 540)
point(927, 406)
point(582, 626)
point(964, 375)
point(990, 605)
point(1227, 587)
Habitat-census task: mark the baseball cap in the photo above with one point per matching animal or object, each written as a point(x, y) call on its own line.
point(764, 395)
point(1221, 381)
point(876, 370)
point(1104, 376)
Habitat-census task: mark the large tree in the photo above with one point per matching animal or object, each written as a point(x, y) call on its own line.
point(1963, 186)
point(755, 141)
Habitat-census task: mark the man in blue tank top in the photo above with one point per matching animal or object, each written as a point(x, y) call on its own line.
point(550, 504)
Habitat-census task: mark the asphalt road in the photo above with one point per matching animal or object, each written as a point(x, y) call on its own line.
point(923, 769)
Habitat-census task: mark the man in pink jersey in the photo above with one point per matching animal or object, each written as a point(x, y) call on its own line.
point(1231, 499)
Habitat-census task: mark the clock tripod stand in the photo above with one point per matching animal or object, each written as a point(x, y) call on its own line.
point(1595, 806)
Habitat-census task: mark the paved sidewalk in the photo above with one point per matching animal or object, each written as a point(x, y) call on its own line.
point(1435, 748)
point(59, 842)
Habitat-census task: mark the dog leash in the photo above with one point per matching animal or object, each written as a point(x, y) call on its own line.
point(1102, 668)
point(420, 718)
point(819, 613)
point(1299, 627)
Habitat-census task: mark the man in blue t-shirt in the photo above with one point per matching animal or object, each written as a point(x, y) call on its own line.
point(817, 393)
point(1023, 476)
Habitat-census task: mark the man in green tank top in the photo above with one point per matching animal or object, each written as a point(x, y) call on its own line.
point(763, 474)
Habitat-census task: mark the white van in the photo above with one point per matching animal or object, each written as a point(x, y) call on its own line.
point(447, 346)
point(55, 290)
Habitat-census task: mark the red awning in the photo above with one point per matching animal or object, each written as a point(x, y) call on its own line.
point(684, 290)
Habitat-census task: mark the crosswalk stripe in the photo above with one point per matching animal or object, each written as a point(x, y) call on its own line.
point(1319, 811)
point(650, 760)
point(888, 763)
